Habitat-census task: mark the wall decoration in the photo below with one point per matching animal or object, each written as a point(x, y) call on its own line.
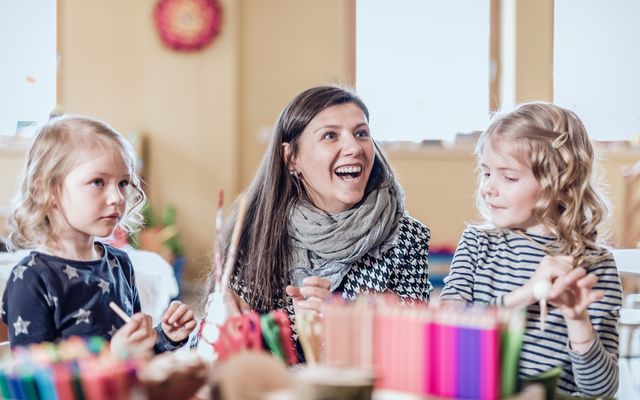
point(187, 25)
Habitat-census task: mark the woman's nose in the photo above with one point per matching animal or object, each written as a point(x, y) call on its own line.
point(351, 146)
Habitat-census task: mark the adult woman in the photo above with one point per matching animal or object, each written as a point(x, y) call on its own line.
point(325, 212)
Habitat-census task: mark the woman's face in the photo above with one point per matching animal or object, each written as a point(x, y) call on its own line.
point(335, 157)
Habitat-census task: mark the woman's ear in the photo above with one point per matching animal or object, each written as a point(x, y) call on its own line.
point(286, 157)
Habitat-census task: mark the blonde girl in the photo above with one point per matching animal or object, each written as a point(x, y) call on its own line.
point(543, 214)
point(79, 184)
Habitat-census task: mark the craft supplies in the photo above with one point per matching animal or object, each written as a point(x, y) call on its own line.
point(453, 352)
point(125, 317)
point(71, 369)
point(541, 291)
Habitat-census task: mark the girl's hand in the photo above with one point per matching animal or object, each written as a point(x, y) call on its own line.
point(178, 321)
point(136, 336)
point(550, 269)
point(573, 293)
point(311, 295)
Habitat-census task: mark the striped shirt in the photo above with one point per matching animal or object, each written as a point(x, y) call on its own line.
point(488, 264)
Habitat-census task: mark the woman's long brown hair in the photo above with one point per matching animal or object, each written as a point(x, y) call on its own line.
point(263, 254)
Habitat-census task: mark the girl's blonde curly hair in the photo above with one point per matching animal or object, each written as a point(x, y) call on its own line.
point(52, 155)
point(554, 143)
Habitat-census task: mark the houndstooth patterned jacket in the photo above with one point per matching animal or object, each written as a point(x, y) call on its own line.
point(402, 270)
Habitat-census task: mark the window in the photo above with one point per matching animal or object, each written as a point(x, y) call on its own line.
point(28, 68)
point(597, 64)
point(422, 67)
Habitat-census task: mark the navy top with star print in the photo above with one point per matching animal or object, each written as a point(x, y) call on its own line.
point(48, 298)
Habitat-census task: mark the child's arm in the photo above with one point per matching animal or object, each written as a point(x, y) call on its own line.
point(29, 306)
point(590, 305)
point(162, 342)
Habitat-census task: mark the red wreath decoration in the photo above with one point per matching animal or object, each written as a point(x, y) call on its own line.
point(187, 25)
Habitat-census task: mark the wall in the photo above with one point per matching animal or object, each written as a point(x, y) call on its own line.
point(114, 67)
point(287, 46)
point(440, 187)
point(206, 113)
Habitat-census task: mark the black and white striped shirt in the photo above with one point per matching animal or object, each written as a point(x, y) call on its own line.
point(490, 263)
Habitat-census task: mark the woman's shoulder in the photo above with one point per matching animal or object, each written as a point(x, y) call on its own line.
point(413, 228)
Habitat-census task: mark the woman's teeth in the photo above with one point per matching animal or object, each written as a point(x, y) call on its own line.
point(349, 174)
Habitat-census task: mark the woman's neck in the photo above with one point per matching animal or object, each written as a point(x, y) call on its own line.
point(88, 251)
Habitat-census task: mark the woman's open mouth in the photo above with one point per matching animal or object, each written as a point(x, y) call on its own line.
point(349, 173)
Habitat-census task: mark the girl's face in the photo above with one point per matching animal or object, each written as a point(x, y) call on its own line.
point(92, 198)
point(335, 157)
point(509, 191)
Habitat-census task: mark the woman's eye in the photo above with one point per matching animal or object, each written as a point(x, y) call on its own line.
point(329, 135)
point(97, 182)
point(124, 183)
point(511, 179)
point(362, 134)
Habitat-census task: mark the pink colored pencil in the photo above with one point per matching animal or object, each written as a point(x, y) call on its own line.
point(489, 356)
point(447, 356)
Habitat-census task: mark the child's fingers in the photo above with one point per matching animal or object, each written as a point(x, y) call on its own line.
point(177, 313)
point(171, 309)
point(560, 285)
point(595, 295)
point(185, 318)
point(144, 321)
point(138, 336)
point(148, 342)
point(130, 327)
point(587, 297)
point(189, 325)
point(588, 281)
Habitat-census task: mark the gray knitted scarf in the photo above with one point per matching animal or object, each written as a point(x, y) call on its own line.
point(327, 245)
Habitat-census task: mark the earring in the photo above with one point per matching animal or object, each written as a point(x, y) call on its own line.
point(293, 173)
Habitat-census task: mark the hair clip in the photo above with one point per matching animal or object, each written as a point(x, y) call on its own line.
point(560, 141)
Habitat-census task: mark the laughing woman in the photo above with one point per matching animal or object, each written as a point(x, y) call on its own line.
point(326, 213)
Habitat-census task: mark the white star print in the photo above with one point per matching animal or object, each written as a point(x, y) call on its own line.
point(21, 326)
point(51, 300)
point(113, 331)
point(104, 285)
point(32, 261)
point(113, 263)
point(70, 271)
point(2, 309)
point(18, 271)
point(82, 316)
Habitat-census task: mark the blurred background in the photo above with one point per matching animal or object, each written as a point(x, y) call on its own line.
point(430, 71)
